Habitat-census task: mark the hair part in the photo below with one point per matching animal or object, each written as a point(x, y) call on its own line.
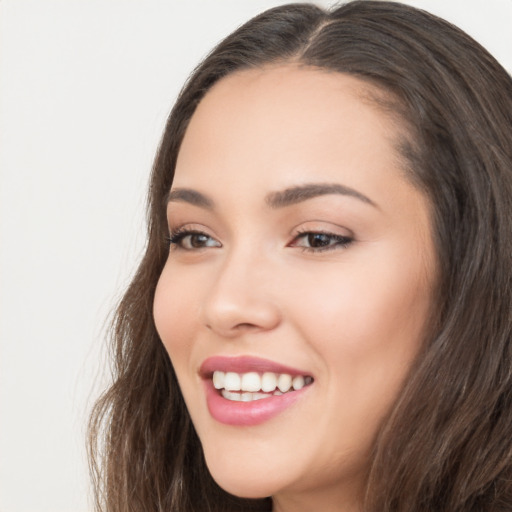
point(446, 444)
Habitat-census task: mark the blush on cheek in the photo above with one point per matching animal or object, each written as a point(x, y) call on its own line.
point(170, 305)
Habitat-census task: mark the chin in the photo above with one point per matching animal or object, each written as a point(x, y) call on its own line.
point(243, 480)
point(244, 487)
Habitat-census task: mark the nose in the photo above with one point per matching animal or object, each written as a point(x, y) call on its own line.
point(241, 298)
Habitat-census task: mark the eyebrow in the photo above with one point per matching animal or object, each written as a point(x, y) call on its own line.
point(281, 199)
point(188, 195)
point(301, 193)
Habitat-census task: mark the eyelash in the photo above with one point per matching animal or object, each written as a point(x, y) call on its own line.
point(177, 237)
point(340, 241)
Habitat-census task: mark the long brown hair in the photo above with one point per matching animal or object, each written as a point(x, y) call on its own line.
point(447, 443)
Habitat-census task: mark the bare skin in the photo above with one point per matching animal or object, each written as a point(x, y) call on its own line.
point(302, 242)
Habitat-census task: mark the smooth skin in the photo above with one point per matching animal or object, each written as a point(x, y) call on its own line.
point(338, 281)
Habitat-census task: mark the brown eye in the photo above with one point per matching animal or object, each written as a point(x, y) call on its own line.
point(318, 241)
point(197, 240)
point(192, 240)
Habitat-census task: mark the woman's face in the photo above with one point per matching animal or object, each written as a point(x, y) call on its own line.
point(299, 252)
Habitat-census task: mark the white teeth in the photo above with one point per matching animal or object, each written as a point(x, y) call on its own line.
point(284, 382)
point(232, 381)
point(298, 382)
point(218, 380)
point(268, 382)
point(255, 386)
point(242, 397)
point(251, 382)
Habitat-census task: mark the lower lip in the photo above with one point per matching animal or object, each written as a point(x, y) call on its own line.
point(245, 414)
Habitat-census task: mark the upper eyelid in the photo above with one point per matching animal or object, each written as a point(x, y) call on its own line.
point(318, 226)
point(326, 231)
point(304, 227)
point(294, 232)
point(340, 242)
point(194, 227)
point(303, 234)
point(176, 238)
point(185, 231)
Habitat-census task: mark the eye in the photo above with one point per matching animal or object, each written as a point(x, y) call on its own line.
point(320, 241)
point(190, 240)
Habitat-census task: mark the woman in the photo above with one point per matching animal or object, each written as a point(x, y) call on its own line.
point(322, 319)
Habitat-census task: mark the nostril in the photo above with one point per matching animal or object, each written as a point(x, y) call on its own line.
point(242, 326)
point(238, 327)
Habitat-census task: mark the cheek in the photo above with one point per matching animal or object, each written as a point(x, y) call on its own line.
point(366, 338)
point(175, 313)
point(176, 316)
point(365, 322)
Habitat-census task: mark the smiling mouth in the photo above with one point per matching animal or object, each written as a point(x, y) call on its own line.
point(246, 391)
point(251, 386)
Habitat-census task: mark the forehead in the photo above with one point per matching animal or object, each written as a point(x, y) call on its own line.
point(285, 122)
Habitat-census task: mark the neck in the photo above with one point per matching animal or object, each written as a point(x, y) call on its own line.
point(342, 499)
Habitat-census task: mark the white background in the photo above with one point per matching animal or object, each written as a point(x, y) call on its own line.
point(85, 87)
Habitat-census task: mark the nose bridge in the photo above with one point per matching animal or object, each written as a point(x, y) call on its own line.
point(240, 297)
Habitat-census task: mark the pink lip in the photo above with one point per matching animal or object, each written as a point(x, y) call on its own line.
point(246, 413)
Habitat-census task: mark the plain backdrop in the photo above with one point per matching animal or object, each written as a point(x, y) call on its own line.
point(85, 88)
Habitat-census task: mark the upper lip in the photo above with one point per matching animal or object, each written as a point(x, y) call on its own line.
point(244, 364)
